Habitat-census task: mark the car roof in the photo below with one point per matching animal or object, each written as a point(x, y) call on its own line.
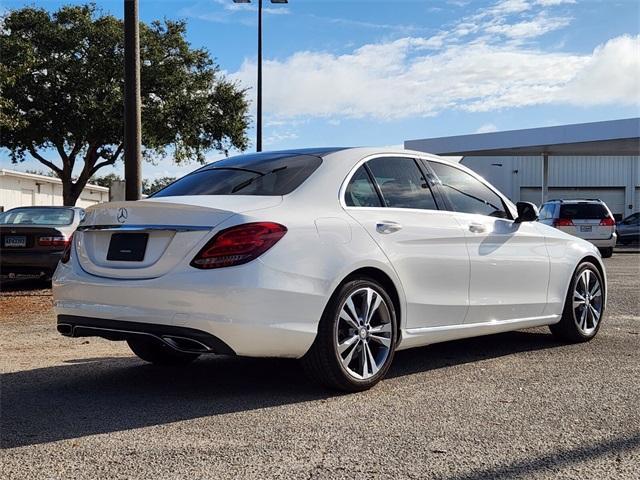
point(575, 200)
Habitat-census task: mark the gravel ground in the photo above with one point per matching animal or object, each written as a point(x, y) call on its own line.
point(516, 405)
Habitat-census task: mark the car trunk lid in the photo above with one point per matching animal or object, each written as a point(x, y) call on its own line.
point(148, 238)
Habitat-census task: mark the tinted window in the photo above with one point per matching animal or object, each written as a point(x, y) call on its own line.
point(583, 211)
point(272, 176)
point(467, 194)
point(38, 216)
point(546, 212)
point(360, 191)
point(402, 183)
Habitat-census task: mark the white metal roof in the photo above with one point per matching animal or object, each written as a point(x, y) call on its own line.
point(613, 137)
point(46, 179)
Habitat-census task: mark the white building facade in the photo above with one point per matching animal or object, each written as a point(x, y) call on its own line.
point(19, 189)
point(613, 179)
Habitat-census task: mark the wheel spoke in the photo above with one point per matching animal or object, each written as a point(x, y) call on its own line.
point(587, 280)
point(347, 343)
point(344, 315)
point(372, 361)
point(583, 319)
point(350, 306)
point(373, 302)
point(363, 361)
point(596, 291)
point(595, 314)
point(347, 360)
point(381, 340)
point(384, 328)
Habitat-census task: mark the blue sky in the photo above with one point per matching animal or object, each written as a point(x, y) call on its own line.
point(355, 72)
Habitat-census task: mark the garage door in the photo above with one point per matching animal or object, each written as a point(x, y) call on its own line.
point(613, 197)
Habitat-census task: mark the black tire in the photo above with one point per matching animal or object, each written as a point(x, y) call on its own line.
point(567, 329)
point(156, 352)
point(606, 252)
point(323, 362)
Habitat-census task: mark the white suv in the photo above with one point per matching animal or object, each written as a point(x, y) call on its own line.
point(589, 219)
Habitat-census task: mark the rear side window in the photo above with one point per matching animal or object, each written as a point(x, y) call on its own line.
point(467, 194)
point(276, 177)
point(402, 183)
point(547, 210)
point(583, 211)
point(38, 216)
point(360, 191)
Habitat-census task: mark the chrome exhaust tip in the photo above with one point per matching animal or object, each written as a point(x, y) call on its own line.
point(185, 344)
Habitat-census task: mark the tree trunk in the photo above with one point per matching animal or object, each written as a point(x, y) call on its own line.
point(69, 193)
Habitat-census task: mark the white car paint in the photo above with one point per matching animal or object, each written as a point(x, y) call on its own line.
point(456, 274)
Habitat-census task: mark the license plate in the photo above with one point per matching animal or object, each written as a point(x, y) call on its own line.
point(586, 229)
point(127, 247)
point(15, 242)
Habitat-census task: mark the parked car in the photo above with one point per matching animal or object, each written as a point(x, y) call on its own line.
point(339, 257)
point(629, 229)
point(589, 219)
point(32, 239)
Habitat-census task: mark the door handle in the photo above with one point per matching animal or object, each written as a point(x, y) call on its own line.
point(387, 227)
point(477, 228)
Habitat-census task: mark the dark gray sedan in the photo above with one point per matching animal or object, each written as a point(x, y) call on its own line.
point(33, 239)
point(629, 229)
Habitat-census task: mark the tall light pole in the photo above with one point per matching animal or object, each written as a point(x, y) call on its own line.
point(259, 92)
point(132, 118)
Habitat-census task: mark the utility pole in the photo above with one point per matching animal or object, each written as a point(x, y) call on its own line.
point(259, 99)
point(132, 117)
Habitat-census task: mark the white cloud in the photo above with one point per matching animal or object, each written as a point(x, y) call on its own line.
point(551, 3)
point(487, 128)
point(535, 27)
point(403, 78)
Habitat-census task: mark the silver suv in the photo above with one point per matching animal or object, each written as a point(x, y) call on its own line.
point(589, 219)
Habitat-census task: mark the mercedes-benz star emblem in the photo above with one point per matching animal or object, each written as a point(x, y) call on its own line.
point(122, 215)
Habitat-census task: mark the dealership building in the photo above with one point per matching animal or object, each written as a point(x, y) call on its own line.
point(589, 160)
point(19, 189)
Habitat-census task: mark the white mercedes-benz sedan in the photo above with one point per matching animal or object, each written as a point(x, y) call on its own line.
point(337, 256)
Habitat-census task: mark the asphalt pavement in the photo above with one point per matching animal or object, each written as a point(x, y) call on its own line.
point(515, 405)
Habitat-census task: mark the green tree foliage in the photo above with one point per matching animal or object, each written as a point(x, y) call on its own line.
point(150, 187)
point(61, 93)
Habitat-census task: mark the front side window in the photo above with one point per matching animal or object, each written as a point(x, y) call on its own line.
point(360, 191)
point(37, 216)
point(402, 183)
point(467, 194)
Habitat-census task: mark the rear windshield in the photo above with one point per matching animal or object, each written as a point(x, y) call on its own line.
point(276, 177)
point(37, 216)
point(583, 211)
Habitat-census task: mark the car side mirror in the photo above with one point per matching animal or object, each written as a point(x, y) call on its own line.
point(527, 212)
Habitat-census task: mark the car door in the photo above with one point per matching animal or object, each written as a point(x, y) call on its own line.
point(509, 263)
point(391, 198)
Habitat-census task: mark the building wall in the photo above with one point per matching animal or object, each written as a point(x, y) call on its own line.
point(18, 191)
point(615, 177)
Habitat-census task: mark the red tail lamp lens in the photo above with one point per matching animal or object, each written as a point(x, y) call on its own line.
point(238, 245)
point(563, 222)
point(66, 254)
point(607, 222)
point(53, 241)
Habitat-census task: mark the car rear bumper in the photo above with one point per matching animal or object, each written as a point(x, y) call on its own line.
point(28, 263)
point(253, 309)
point(604, 243)
point(182, 339)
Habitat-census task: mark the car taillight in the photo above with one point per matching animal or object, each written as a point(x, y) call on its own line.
point(66, 254)
point(563, 222)
point(607, 222)
point(238, 245)
point(53, 241)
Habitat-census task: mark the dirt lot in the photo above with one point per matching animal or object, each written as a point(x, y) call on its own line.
point(505, 406)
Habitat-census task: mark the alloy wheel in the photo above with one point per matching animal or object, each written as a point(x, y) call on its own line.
point(363, 333)
point(587, 302)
